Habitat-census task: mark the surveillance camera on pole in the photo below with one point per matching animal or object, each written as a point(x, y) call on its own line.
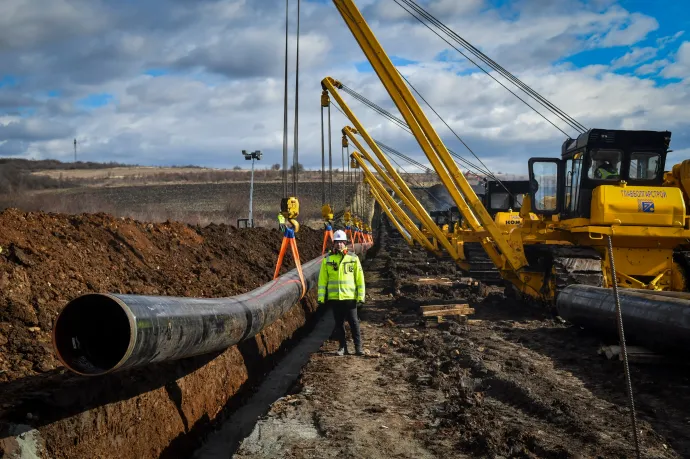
point(255, 155)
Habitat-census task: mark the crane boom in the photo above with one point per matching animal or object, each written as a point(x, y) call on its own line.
point(397, 210)
point(384, 205)
point(392, 178)
point(510, 251)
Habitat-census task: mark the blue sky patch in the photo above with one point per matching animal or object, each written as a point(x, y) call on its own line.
point(95, 100)
point(156, 72)
point(8, 80)
point(365, 66)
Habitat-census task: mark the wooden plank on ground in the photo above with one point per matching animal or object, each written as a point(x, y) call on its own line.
point(434, 281)
point(438, 307)
point(448, 312)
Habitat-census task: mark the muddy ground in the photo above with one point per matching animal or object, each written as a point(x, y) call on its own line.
point(49, 259)
point(512, 382)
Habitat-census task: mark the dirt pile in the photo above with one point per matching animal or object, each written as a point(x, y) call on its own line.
point(49, 259)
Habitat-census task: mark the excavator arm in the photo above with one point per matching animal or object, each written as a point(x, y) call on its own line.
point(507, 253)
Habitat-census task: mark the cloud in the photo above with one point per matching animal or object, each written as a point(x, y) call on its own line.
point(178, 82)
point(652, 68)
point(634, 57)
point(662, 42)
point(33, 130)
point(680, 68)
point(629, 30)
point(25, 24)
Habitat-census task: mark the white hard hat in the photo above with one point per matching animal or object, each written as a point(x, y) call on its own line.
point(339, 236)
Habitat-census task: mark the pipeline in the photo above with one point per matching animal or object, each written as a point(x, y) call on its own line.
point(99, 333)
point(657, 320)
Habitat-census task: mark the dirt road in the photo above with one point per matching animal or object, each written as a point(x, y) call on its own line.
point(513, 382)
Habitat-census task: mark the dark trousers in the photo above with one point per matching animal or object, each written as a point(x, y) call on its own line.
point(346, 310)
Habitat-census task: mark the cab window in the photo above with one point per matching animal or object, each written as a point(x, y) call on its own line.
point(605, 164)
point(518, 201)
point(644, 165)
point(572, 182)
point(500, 201)
point(545, 185)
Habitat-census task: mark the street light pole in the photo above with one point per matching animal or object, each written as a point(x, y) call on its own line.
point(254, 155)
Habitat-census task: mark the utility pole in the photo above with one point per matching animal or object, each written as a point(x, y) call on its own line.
point(75, 150)
point(256, 155)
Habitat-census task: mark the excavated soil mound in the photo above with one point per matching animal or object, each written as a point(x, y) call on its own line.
point(49, 259)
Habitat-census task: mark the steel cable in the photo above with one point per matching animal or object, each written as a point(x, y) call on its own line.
point(624, 350)
point(285, 108)
point(495, 66)
point(570, 121)
point(295, 158)
point(403, 125)
point(323, 162)
point(330, 158)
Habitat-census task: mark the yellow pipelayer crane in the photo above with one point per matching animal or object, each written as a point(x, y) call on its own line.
point(573, 207)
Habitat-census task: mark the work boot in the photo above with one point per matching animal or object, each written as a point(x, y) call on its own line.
point(359, 351)
point(342, 350)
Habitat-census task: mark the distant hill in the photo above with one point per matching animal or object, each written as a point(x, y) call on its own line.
point(16, 174)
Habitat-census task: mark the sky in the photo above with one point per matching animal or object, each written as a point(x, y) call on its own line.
point(174, 82)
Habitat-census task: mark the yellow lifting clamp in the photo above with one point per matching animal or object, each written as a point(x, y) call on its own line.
point(289, 207)
point(327, 213)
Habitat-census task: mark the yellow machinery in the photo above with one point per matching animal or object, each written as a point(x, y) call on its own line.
point(327, 213)
point(606, 184)
point(399, 217)
point(289, 207)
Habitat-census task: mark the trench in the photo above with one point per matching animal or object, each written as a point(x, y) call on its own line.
point(222, 443)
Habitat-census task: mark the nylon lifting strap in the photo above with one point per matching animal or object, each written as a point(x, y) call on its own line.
point(328, 233)
point(289, 240)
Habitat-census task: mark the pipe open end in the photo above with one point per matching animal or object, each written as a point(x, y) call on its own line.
point(92, 335)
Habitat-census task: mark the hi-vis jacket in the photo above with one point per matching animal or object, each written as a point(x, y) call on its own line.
point(341, 278)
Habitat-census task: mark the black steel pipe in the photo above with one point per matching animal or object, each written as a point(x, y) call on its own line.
point(657, 320)
point(102, 333)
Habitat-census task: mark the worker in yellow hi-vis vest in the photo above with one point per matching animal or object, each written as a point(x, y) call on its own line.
point(281, 222)
point(341, 286)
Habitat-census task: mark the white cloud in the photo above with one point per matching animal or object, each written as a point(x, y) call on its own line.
point(652, 68)
point(662, 42)
point(680, 68)
point(224, 92)
point(634, 57)
point(631, 29)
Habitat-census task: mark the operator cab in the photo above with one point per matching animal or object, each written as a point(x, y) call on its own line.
point(597, 157)
point(504, 195)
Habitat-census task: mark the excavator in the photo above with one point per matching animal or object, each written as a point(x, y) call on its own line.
point(605, 213)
